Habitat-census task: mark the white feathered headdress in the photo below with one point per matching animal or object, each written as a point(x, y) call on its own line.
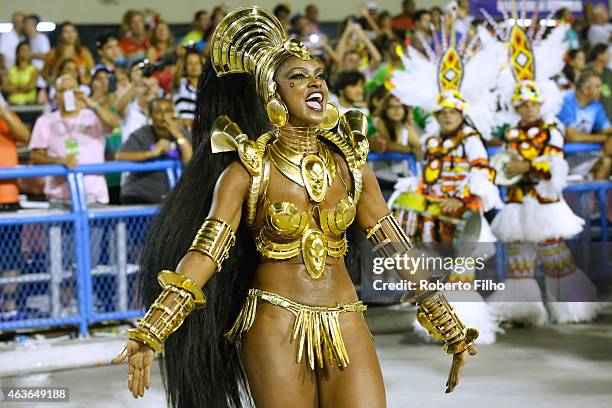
point(467, 88)
point(531, 64)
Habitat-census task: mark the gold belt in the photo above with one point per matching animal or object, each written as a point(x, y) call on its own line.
point(314, 247)
point(316, 328)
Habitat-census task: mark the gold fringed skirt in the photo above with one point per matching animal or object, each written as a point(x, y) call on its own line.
point(316, 329)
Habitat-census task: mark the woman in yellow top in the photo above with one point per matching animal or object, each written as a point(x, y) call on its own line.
point(20, 82)
point(268, 259)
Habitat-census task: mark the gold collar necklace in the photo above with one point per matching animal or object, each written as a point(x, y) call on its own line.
point(302, 140)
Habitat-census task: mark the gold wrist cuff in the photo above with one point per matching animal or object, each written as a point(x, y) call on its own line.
point(215, 238)
point(437, 316)
point(179, 297)
point(388, 237)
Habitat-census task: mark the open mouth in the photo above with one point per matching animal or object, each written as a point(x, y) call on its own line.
point(315, 101)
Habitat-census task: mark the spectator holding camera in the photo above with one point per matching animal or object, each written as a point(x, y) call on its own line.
point(133, 103)
point(185, 83)
point(103, 87)
point(20, 81)
point(355, 39)
point(165, 138)
point(69, 47)
point(71, 136)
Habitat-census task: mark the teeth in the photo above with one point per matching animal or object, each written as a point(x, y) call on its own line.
point(314, 105)
point(317, 96)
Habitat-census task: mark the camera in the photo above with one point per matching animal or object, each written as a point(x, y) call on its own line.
point(148, 68)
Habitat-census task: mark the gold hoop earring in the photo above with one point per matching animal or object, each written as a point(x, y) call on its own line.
point(277, 112)
point(332, 115)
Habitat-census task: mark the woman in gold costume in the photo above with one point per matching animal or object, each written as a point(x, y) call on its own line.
point(261, 299)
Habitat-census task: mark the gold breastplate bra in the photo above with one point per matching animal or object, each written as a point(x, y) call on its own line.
point(283, 231)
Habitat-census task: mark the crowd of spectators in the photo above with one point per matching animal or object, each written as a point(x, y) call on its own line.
point(133, 96)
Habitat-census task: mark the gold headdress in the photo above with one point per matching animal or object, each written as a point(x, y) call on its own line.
point(450, 75)
point(523, 68)
point(252, 40)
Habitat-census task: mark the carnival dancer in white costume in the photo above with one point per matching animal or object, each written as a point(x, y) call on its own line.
point(457, 182)
point(536, 220)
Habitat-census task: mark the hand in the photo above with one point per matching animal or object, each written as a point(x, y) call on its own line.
point(377, 143)
point(181, 52)
point(70, 161)
point(608, 146)
point(451, 205)
point(459, 361)
point(84, 100)
point(140, 359)
point(174, 127)
point(161, 147)
point(136, 75)
point(410, 117)
point(516, 167)
point(363, 10)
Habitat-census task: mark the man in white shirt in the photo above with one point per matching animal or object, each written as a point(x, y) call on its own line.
point(39, 42)
point(10, 40)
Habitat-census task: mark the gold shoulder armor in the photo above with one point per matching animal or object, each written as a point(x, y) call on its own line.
point(352, 141)
point(226, 136)
point(354, 127)
point(351, 138)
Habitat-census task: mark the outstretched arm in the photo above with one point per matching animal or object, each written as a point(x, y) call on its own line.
point(371, 213)
point(195, 269)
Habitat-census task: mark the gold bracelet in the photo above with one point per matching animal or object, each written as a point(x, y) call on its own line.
point(439, 318)
point(215, 238)
point(388, 237)
point(187, 296)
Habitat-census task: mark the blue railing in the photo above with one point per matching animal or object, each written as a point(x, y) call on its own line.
point(84, 262)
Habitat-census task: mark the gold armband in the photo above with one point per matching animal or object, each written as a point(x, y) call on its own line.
point(179, 297)
point(215, 238)
point(388, 237)
point(437, 316)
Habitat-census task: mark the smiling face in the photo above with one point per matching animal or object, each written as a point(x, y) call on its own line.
point(302, 87)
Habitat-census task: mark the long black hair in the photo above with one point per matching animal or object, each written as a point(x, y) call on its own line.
point(199, 368)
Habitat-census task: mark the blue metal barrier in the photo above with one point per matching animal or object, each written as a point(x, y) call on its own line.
point(80, 269)
point(396, 156)
point(569, 148)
